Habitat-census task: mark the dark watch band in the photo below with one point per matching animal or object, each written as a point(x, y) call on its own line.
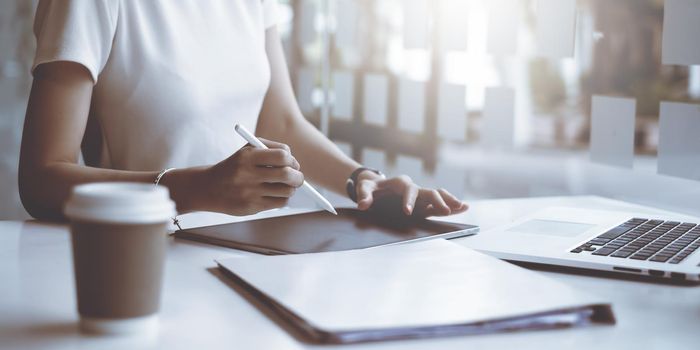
point(352, 180)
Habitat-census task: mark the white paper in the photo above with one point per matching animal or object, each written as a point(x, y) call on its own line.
point(430, 283)
point(453, 24)
point(681, 32)
point(556, 28)
point(411, 105)
point(307, 20)
point(415, 24)
point(374, 158)
point(347, 16)
point(206, 218)
point(452, 112)
point(679, 140)
point(612, 130)
point(305, 88)
point(375, 99)
point(343, 92)
point(498, 124)
point(504, 20)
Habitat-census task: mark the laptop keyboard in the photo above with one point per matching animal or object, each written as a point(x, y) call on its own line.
point(642, 239)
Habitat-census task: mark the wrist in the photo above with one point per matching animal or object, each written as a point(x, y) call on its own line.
point(357, 176)
point(182, 184)
point(369, 174)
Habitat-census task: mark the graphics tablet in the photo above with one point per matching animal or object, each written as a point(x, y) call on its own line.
point(322, 232)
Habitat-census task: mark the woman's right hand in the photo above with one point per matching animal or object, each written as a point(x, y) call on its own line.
point(249, 181)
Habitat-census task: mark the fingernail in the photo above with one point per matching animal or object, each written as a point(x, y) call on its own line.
point(409, 209)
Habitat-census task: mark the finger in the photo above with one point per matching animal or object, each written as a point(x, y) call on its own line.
point(455, 204)
point(461, 209)
point(275, 157)
point(242, 153)
point(285, 175)
point(409, 198)
point(275, 144)
point(365, 190)
point(267, 203)
point(429, 210)
point(404, 186)
point(277, 190)
point(433, 203)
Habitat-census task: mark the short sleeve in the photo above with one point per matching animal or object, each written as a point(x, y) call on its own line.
point(80, 31)
point(270, 13)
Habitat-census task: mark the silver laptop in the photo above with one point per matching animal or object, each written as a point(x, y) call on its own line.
point(599, 240)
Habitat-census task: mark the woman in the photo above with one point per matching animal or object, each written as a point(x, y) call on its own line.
point(145, 86)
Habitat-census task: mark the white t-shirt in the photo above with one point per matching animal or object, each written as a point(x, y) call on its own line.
point(172, 78)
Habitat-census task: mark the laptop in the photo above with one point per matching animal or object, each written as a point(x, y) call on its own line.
point(660, 247)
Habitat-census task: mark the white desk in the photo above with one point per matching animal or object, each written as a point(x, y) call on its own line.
point(37, 301)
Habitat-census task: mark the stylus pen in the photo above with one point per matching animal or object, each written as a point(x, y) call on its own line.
point(320, 200)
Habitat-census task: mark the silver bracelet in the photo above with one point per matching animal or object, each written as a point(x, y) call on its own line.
point(161, 174)
point(176, 222)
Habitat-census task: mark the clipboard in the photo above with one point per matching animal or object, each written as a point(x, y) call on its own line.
point(323, 232)
point(421, 290)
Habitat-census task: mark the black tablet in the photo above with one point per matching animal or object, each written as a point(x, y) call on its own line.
point(323, 232)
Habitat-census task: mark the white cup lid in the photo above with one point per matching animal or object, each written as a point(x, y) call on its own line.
point(120, 202)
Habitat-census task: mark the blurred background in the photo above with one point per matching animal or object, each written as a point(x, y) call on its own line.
point(472, 95)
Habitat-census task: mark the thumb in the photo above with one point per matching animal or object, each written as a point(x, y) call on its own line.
point(365, 196)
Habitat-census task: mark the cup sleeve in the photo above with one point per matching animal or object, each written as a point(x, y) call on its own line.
point(79, 31)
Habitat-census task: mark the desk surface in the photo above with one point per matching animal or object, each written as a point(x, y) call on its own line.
point(37, 301)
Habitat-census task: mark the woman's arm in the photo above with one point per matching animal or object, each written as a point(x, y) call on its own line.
point(249, 181)
point(54, 125)
point(281, 119)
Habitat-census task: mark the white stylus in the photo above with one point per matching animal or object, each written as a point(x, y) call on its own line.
point(322, 201)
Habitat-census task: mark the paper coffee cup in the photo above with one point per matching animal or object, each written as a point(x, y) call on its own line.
point(119, 233)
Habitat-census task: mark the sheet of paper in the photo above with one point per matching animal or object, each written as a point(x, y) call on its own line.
point(503, 24)
point(305, 88)
point(343, 92)
point(307, 30)
point(452, 112)
point(498, 124)
point(681, 32)
point(374, 158)
point(375, 99)
point(346, 16)
point(679, 140)
point(453, 24)
point(415, 24)
point(411, 105)
point(556, 28)
point(206, 218)
point(612, 130)
point(399, 287)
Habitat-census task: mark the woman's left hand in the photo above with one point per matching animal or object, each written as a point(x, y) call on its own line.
point(415, 200)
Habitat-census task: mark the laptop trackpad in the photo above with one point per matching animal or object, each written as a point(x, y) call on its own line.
point(552, 228)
